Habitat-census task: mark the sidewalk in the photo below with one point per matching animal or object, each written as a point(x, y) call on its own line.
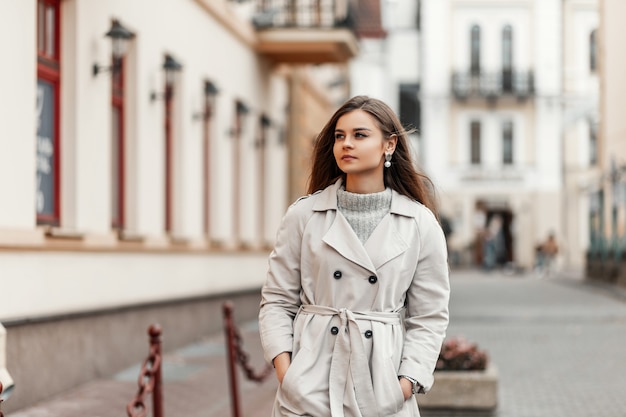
point(558, 344)
point(195, 383)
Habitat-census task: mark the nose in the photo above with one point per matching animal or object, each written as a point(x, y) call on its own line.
point(347, 142)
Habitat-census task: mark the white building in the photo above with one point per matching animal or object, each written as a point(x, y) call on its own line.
point(581, 168)
point(388, 64)
point(492, 119)
point(607, 186)
point(505, 98)
point(146, 186)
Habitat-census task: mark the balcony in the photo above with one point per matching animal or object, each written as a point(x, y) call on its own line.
point(493, 85)
point(305, 31)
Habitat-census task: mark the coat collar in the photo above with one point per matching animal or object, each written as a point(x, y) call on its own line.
point(385, 243)
point(327, 200)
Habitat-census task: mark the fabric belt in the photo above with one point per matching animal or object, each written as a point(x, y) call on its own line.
point(349, 358)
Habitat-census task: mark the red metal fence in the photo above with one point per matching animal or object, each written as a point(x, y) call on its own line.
point(237, 356)
point(1, 415)
point(150, 376)
point(150, 381)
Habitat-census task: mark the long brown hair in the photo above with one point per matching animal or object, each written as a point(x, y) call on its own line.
point(402, 176)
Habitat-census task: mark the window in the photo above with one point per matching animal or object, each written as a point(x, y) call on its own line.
point(241, 110)
point(261, 149)
point(410, 106)
point(475, 142)
point(507, 58)
point(593, 143)
point(117, 146)
point(47, 106)
point(169, 154)
point(475, 50)
point(209, 108)
point(507, 142)
point(593, 51)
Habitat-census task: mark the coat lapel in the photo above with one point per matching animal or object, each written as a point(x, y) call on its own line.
point(394, 244)
point(342, 238)
point(389, 232)
point(374, 253)
point(340, 235)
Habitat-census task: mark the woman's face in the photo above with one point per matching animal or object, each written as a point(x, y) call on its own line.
point(360, 146)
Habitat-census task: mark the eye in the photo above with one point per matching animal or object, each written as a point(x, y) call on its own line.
point(339, 136)
point(360, 135)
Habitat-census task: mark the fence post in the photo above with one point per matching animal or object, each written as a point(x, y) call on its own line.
point(229, 331)
point(155, 348)
point(1, 415)
point(150, 381)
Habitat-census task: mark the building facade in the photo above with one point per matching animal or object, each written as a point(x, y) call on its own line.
point(387, 66)
point(145, 163)
point(509, 94)
point(607, 191)
point(580, 125)
point(499, 123)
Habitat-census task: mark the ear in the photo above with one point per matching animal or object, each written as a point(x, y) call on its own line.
point(390, 146)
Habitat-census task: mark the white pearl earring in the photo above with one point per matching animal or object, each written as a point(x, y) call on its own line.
point(387, 159)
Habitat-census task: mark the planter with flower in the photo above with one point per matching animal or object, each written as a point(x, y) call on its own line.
point(464, 379)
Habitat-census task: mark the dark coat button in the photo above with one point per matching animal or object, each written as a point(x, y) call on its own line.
point(368, 334)
point(334, 330)
point(372, 279)
point(337, 274)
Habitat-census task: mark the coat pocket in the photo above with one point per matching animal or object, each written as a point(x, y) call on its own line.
point(389, 393)
point(290, 395)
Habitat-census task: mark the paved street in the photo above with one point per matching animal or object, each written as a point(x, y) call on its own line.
point(558, 345)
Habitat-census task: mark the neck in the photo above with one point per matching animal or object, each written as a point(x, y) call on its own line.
point(359, 185)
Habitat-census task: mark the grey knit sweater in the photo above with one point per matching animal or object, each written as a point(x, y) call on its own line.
point(364, 211)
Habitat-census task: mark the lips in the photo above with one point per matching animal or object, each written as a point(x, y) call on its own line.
point(348, 158)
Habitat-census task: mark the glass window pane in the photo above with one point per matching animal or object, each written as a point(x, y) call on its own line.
point(475, 142)
point(50, 31)
point(40, 27)
point(592, 51)
point(507, 142)
point(475, 50)
point(593, 143)
point(507, 47)
point(46, 170)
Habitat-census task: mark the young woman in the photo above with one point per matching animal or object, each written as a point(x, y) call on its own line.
point(355, 306)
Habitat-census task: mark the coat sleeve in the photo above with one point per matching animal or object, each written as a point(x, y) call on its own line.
point(427, 313)
point(280, 295)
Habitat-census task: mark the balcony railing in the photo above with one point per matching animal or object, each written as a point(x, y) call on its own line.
point(305, 31)
point(271, 14)
point(493, 85)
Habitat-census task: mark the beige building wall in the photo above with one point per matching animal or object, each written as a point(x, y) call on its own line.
point(580, 120)
point(613, 114)
point(84, 277)
point(310, 110)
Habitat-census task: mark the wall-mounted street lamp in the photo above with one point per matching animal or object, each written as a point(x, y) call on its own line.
point(119, 36)
point(171, 68)
point(210, 92)
point(242, 109)
point(266, 123)
point(241, 112)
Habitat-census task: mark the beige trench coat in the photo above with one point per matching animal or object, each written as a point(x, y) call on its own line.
point(337, 305)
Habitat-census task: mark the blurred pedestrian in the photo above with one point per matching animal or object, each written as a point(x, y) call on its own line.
point(494, 252)
point(355, 305)
point(546, 253)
